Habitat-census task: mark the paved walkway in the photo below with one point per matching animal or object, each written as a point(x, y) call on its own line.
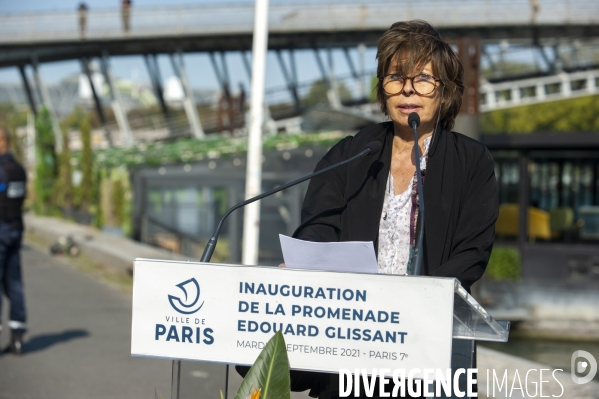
point(79, 339)
point(78, 345)
point(114, 252)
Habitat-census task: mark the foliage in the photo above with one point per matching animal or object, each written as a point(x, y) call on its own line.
point(64, 187)
point(87, 164)
point(120, 199)
point(504, 264)
point(74, 119)
point(509, 68)
point(373, 82)
point(318, 93)
point(96, 206)
point(46, 171)
point(573, 115)
point(13, 118)
point(268, 378)
point(191, 149)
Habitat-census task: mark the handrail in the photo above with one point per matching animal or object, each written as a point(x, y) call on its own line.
point(291, 17)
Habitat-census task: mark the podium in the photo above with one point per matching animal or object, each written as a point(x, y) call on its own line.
point(331, 320)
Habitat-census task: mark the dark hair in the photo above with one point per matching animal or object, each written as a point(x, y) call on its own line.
point(412, 44)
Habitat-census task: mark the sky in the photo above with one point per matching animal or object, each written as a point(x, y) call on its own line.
point(199, 69)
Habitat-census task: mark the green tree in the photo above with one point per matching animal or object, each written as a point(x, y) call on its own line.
point(373, 82)
point(96, 198)
point(318, 93)
point(64, 186)
point(573, 115)
point(504, 264)
point(46, 170)
point(87, 165)
point(14, 118)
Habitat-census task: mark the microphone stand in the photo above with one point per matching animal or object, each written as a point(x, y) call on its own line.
point(418, 251)
point(207, 255)
point(209, 250)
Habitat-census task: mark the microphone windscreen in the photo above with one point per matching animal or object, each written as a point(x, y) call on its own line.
point(375, 146)
point(414, 118)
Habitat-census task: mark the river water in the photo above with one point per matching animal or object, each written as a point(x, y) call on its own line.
point(556, 354)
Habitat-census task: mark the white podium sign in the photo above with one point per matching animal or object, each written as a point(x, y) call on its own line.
point(227, 313)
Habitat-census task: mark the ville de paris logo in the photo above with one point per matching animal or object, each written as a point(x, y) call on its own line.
point(190, 303)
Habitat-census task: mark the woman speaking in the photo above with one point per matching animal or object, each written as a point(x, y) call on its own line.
point(375, 198)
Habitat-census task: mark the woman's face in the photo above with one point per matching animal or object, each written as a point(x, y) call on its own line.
point(406, 101)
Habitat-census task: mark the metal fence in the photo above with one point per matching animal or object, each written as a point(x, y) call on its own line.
point(290, 17)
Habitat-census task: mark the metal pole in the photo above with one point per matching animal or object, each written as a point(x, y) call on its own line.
point(176, 379)
point(353, 71)
point(293, 66)
point(291, 84)
point(154, 71)
point(48, 103)
point(31, 158)
point(28, 90)
point(251, 228)
point(219, 76)
point(227, 382)
point(326, 77)
point(223, 64)
point(117, 107)
point(361, 56)
point(99, 110)
point(523, 200)
point(188, 101)
point(246, 64)
point(267, 117)
point(333, 93)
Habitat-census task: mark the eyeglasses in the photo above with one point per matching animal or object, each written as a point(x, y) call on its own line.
point(423, 84)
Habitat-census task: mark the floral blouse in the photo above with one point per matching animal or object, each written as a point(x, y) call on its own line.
point(398, 223)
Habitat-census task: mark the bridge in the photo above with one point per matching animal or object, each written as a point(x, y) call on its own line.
point(471, 25)
point(518, 92)
point(55, 36)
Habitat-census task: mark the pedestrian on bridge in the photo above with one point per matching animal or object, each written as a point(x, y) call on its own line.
point(126, 15)
point(13, 183)
point(82, 12)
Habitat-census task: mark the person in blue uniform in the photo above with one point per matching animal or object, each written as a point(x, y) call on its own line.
point(13, 183)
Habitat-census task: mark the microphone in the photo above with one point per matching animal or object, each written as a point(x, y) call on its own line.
point(417, 255)
point(414, 118)
point(371, 148)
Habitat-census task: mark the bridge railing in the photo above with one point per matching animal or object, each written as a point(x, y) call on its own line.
point(289, 17)
point(520, 92)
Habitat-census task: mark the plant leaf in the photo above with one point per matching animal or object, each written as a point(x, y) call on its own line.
point(270, 372)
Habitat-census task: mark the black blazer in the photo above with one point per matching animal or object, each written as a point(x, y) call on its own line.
point(460, 195)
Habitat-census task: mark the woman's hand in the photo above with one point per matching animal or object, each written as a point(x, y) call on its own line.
point(282, 265)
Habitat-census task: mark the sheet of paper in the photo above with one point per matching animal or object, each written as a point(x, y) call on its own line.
point(349, 256)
